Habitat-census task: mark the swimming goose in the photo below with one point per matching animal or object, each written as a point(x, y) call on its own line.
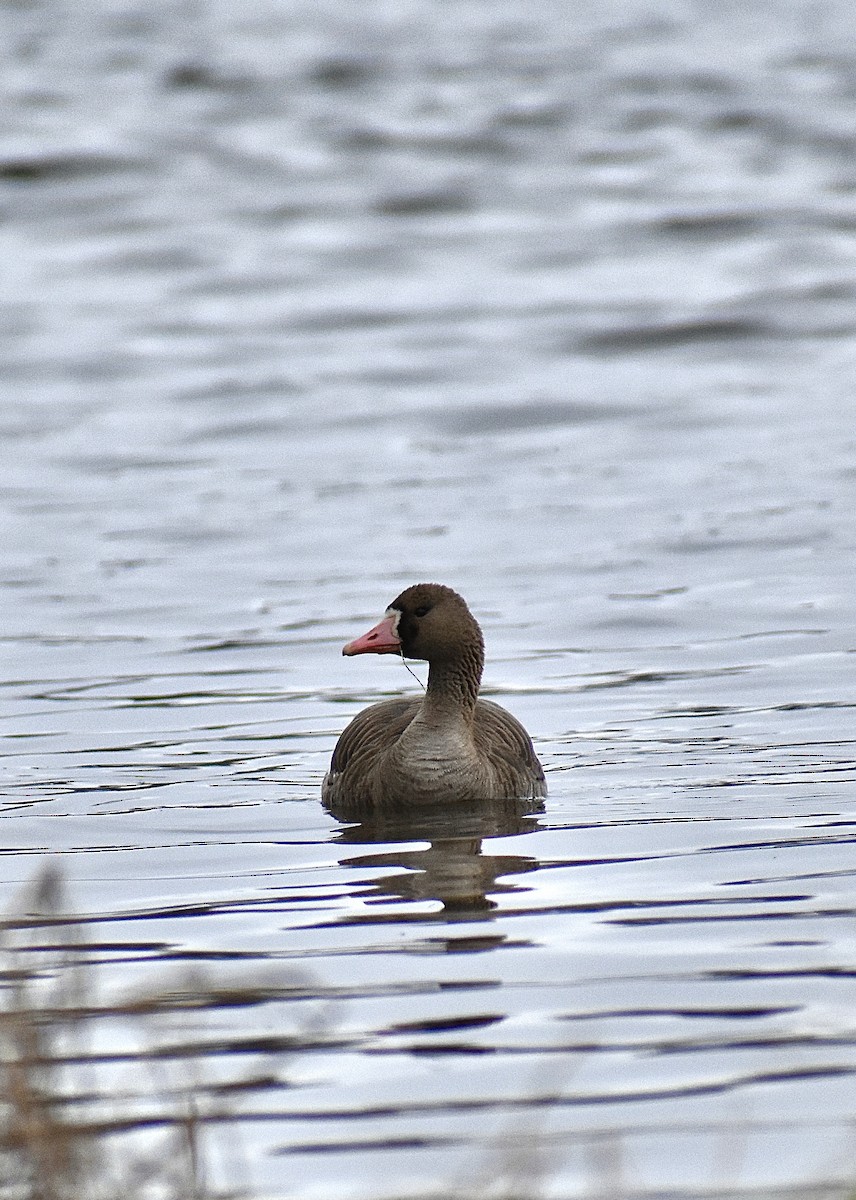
point(446, 746)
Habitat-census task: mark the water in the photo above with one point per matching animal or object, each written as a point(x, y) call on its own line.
point(303, 304)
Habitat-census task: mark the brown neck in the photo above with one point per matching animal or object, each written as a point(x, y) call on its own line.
point(453, 685)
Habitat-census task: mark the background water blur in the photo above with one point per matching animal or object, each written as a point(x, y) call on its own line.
point(555, 304)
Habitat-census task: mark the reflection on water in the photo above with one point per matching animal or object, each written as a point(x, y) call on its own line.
point(301, 305)
point(455, 869)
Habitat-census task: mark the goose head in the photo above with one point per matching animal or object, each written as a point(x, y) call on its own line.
point(426, 621)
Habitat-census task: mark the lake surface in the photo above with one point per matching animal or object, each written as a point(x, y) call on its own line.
point(304, 303)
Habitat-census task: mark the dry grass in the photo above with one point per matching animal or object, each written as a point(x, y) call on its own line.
point(52, 1146)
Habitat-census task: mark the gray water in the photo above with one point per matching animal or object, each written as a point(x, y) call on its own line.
point(303, 303)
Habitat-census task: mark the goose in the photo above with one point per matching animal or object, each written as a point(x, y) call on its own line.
point(446, 746)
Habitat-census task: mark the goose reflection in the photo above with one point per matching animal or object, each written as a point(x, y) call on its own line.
point(453, 869)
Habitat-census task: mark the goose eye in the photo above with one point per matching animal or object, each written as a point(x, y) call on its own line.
point(422, 610)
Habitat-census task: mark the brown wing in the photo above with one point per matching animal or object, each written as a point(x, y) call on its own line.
point(364, 741)
point(503, 741)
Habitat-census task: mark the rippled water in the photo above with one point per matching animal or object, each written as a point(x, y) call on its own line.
point(302, 304)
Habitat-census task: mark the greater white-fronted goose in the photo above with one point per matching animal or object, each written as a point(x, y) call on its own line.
point(447, 746)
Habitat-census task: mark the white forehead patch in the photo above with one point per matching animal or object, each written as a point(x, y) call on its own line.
point(395, 613)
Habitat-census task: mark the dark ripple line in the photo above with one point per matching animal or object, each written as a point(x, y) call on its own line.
point(559, 1100)
point(553, 1100)
point(711, 918)
point(659, 1047)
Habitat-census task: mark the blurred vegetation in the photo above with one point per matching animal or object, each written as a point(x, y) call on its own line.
point(61, 1137)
